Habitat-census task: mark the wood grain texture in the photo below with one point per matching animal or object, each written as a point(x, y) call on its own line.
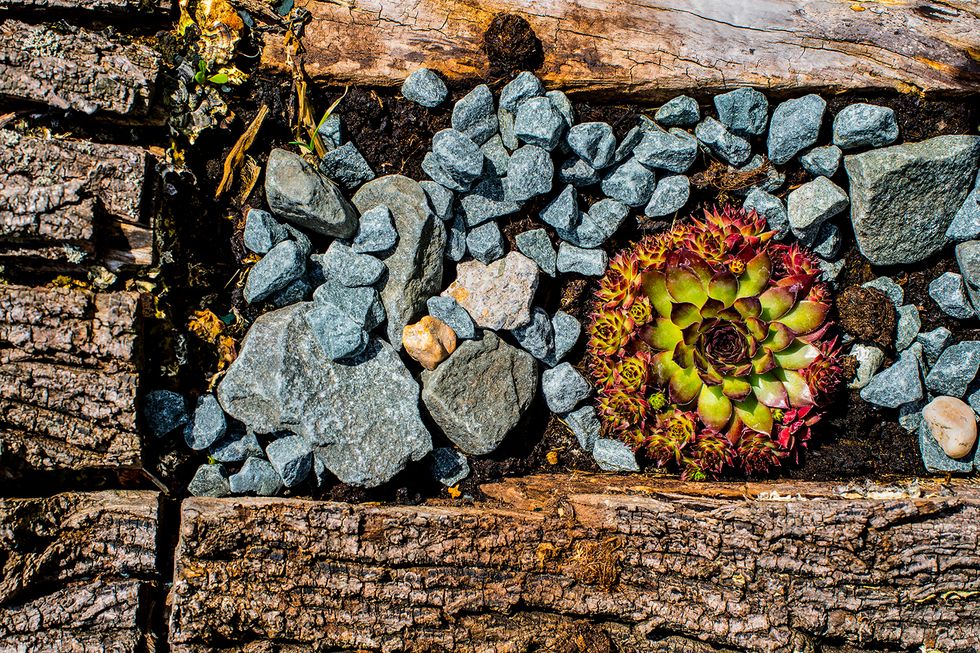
point(654, 49)
point(76, 573)
point(70, 67)
point(585, 564)
point(69, 375)
point(124, 8)
point(60, 198)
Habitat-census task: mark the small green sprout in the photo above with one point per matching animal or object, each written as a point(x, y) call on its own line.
point(203, 77)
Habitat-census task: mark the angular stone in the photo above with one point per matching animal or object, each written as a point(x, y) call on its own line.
point(457, 157)
point(456, 239)
point(531, 173)
point(447, 310)
point(377, 232)
point(208, 424)
point(966, 222)
point(497, 296)
point(415, 265)
point(585, 426)
point(899, 384)
point(525, 85)
point(298, 193)
point(505, 119)
point(563, 105)
point(424, 87)
point(593, 142)
point(577, 172)
point(536, 245)
point(908, 327)
point(770, 207)
point(827, 243)
point(567, 332)
point(440, 199)
point(562, 212)
point(164, 411)
point(479, 394)
point(564, 388)
point(672, 151)
point(822, 161)
point(537, 337)
point(346, 166)
point(614, 456)
point(795, 126)
point(361, 304)
point(955, 369)
point(449, 466)
point(587, 262)
point(934, 343)
point(812, 204)
point(209, 481)
point(670, 196)
point(257, 476)
point(630, 141)
point(498, 158)
point(281, 382)
point(733, 150)
point(429, 341)
point(968, 259)
point(743, 111)
point(292, 458)
point(904, 197)
point(539, 123)
point(864, 125)
point(603, 219)
point(888, 286)
point(236, 447)
point(281, 266)
point(630, 182)
point(345, 266)
point(682, 111)
point(262, 231)
point(475, 116)
point(485, 243)
point(869, 360)
point(949, 292)
point(339, 337)
point(296, 291)
point(486, 202)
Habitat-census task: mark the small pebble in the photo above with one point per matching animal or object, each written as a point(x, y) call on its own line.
point(949, 293)
point(888, 286)
point(587, 262)
point(536, 245)
point(295, 292)
point(475, 116)
point(795, 126)
point(330, 132)
point(361, 304)
point(485, 242)
point(539, 123)
point(449, 466)
point(164, 412)
point(630, 182)
point(934, 343)
point(486, 202)
point(209, 481)
point(262, 231)
point(531, 173)
point(771, 208)
point(505, 119)
point(812, 204)
point(908, 327)
point(497, 155)
point(626, 146)
point(672, 151)
point(598, 225)
point(593, 142)
point(564, 388)
point(525, 85)
point(377, 232)
point(562, 212)
point(346, 166)
point(682, 111)
point(577, 172)
point(433, 166)
point(208, 424)
point(449, 311)
point(429, 341)
point(257, 476)
point(280, 267)
point(827, 243)
point(934, 458)
point(458, 156)
point(899, 384)
point(563, 105)
point(339, 336)
point(614, 456)
point(234, 448)
point(424, 87)
point(346, 267)
point(670, 196)
point(743, 111)
point(537, 337)
point(440, 199)
point(822, 161)
point(869, 360)
point(585, 426)
point(456, 239)
point(955, 369)
point(567, 332)
point(864, 125)
point(733, 150)
point(292, 459)
point(953, 424)
point(968, 260)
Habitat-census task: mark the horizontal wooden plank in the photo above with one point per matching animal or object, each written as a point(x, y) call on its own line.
point(77, 572)
point(65, 201)
point(69, 375)
point(619, 563)
point(654, 49)
point(123, 8)
point(70, 67)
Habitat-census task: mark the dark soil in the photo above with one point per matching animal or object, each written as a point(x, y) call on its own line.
point(511, 46)
point(867, 314)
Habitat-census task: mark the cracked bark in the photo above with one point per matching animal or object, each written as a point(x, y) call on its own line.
point(114, 7)
point(60, 198)
point(655, 49)
point(77, 570)
point(584, 563)
point(68, 379)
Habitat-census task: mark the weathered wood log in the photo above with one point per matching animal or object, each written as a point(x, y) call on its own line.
point(65, 202)
point(77, 572)
point(654, 49)
point(71, 67)
point(124, 8)
point(69, 374)
point(584, 564)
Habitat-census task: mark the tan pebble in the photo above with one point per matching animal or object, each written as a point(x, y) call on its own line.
point(429, 341)
point(953, 423)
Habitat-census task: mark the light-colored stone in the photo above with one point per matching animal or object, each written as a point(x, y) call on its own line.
point(429, 341)
point(497, 296)
point(953, 424)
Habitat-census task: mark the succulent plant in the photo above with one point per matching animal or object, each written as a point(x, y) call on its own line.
point(709, 346)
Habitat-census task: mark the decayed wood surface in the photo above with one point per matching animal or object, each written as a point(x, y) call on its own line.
point(71, 67)
point(69, 374)
point(584, 563)
point(76, 572)
point(125, 8)
point(654, 49)
point(65, 201)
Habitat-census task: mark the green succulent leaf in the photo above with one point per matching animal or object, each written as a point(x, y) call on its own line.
point(736, 389)
point(714, 408)
point(748, 306)
point(780, 337)
point(764, 361)
point(754, 415)
point(776, 302)
point(685, 286)
point(663, 334)
point(797, 356)
point(797, 389)
point(756, 276)
point(806, 317)
point(655, 286)
point(685, 385)
point(723, 287)
point(770, 391)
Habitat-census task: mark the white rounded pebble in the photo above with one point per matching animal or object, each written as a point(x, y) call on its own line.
point(953, 423)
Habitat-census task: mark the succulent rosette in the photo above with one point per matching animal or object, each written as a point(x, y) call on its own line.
point(710, 348)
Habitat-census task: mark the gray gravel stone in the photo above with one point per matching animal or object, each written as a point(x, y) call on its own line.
point(563, 105)
point(485, 243)
point(424, 87)
point(888, 286)
point(458, 157)
point(899, 384)
point(257, 476)
point(377, 232)
point(567, 330)
point(348, 268)
point(869, 360)
point(209, 481)
point(771, 208)
point(629, 182)
point(908, 327)
point(682, 111)
point(531, 173)
point(598, 225)
point(733, 150)
point(539, 123)
point(505, 119)
point(672, 151)
point(585, 426)
point(670, 196)
point(497, 296)
point(935, 459)
point(331, 132)
point(449, 466)
point(415, 265)
point(433, 167)
point(822, 161)
point(973, 396)
point(771, 181)
point(904, 197)
point(536, 245)
point(593, 142)
point(208, 424)
point(346, 166)
point(812, 204)
point(562, 212)
point(479, 394)
point(525, 85)
point(587, 262)
point(564, 388)
point(164, 411)
point(339, 337)
point(262, 231)
point(949, 292)
point(280, 381)
point(362, 305)
point(864, 125)
point(743, 111)
point(292, 458)
point(934, 343)
point(827, 243)
point(537, 337)
point(486, 202)
point(830, 270)
point(966, 222)
point(475, 115)
point(968, 259)
point(955, 369)
point(795, 126)
point(456, 239)
point(298, 193)
point(577, 172)
point(628, 144)
point(450, 312)
point(297, 291)
point(498, 158)
point(614, 456)
point(910, 415)
point(235, 447)
point(440, 199)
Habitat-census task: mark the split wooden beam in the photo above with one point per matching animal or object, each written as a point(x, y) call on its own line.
point(655, 49)
point(69, 376)
point(78, 572)
point(587, 563)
